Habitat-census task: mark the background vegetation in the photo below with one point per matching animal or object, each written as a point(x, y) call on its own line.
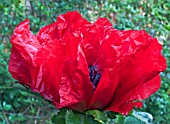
point(19, 105)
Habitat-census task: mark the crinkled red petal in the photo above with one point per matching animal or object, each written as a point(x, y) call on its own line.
point(19, 68)
point(139, 63)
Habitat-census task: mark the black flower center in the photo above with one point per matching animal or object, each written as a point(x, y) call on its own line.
point(95, 75)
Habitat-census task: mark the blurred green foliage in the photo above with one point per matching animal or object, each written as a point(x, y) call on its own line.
point(19, 105)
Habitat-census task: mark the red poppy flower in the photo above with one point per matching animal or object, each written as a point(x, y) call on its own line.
point(82, 65)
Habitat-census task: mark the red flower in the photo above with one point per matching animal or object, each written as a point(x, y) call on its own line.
point(83, 65)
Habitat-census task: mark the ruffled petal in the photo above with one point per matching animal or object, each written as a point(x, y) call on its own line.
point(103, 23)
point(138, 65)
point(149, 87)
point(127, 52)
point(48, 33)
point(91, 43)
point(24, 41)
point(96, 45)
point(62, 74)
point(76, 76)
point(19, 68)
point(106, 87)
point(71, 22)
point(24, 47)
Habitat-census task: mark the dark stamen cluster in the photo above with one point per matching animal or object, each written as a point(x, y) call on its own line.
point(95, 75)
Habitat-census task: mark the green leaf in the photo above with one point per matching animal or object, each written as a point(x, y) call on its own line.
point(132, 120)
point(166, 27)
point(2, 6)
point(98, 116)
point(111, 115)
point(144, 117)
point(120, 119)
point(16, 2)
point(73, 117)
point(6, 106)
point(60, 117)
point(66, 116)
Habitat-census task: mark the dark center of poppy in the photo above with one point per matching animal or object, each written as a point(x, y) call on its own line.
point(95, 75)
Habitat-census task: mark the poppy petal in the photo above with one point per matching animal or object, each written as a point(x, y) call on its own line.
point(70, 22)
point(154, 85)
point(24, 41)
point(48, 33)
point(24, 47)
point(106, 87)
point(144, 63)
point(19, 68)
point(103, 23)
point(61, 74)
